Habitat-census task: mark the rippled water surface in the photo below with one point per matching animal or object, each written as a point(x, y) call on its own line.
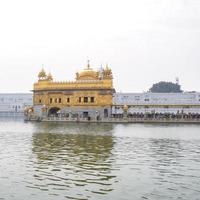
point(98, 161)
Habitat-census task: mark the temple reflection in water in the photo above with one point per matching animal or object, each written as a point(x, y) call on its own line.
point(62, 149)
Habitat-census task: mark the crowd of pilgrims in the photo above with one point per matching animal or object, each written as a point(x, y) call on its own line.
point(160, 115)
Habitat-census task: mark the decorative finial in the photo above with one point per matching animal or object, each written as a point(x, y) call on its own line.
point(43, 67)
point(49, 77)
point(88, 65)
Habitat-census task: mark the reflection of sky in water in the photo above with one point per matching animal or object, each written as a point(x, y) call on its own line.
point(99, 161)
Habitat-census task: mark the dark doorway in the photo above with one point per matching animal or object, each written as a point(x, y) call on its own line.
point(105, 113)
point(53, 111)
point(85, 115)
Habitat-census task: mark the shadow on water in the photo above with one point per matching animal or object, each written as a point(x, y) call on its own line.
point(74, 160)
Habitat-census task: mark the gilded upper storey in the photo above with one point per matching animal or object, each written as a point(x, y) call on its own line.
point(88, 78)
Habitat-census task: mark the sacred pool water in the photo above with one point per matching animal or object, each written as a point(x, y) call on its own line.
point(98, 161)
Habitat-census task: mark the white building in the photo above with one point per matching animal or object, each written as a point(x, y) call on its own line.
point(187, 102)
point(11, 103)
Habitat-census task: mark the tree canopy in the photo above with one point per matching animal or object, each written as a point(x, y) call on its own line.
point(165, 87)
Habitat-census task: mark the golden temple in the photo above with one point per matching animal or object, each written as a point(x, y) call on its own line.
point(90, 95)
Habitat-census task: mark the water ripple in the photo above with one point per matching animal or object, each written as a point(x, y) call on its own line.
point(98, 161)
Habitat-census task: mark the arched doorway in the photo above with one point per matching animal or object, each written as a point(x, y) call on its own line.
point(53, 111)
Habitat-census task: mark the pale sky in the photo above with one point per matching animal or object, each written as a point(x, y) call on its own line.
point(143, 41)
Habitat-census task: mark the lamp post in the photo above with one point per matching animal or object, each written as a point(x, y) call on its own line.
point(70, 115)
point(97, 116)
point(125, 109)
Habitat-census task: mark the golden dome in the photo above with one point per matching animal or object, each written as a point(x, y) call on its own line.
point(87, 74)
point(42, 74)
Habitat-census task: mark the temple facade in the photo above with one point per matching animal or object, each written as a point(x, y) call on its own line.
point(90, 95)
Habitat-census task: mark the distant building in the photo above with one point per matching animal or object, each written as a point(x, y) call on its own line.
point(13, 104)
point(157, 102)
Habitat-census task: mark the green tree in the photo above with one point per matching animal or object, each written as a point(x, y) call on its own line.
point(165, 87)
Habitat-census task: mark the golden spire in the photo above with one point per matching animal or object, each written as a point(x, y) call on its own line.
point(107, 72)
point(49, 77)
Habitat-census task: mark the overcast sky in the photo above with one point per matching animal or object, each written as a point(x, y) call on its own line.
point(143, 41)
